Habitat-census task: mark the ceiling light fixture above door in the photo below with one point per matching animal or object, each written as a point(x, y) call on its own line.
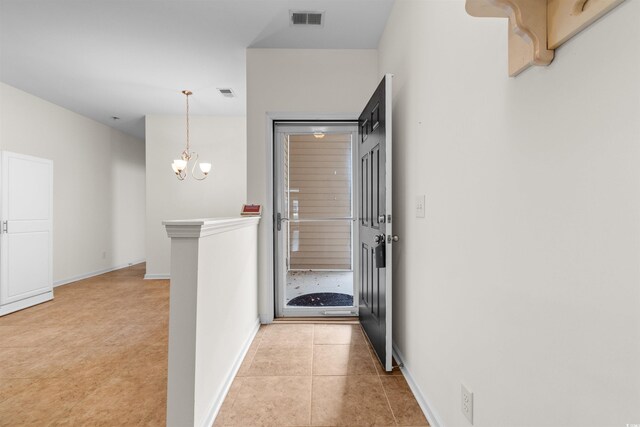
point(179, 166)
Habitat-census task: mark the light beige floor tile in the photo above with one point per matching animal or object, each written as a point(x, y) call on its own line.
point(229, 400)
point(281, 361)
point(98, 363)
point(12, 386)
point(338, 334)
point(404, 406)
point(271, 401)
point(34, 362)
point(349, 401)
point(117, 401)
point(342, 359)
point(287, 336)
point(80, 335)
point(41, 402)
point(137, 335)
point(27, 336)
point(148, 361)
point(248, 358)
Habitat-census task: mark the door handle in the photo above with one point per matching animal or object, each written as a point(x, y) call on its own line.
point(393, 238)
point(279, 220)
point(379, 238)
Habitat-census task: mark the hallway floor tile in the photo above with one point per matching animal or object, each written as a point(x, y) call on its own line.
point(316, 375)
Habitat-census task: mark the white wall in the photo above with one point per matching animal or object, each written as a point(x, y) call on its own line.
point(98, 190)
point(219, 140)
point(214, 313)
point(293, 83)
point(523, 280)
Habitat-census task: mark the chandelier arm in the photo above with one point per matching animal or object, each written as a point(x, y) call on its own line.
point(193, 168)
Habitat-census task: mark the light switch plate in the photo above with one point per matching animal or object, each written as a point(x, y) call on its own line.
point(420, 206)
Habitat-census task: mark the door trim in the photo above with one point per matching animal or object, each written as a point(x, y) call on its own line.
point(266, 285)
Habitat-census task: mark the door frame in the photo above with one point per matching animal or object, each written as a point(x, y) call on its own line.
point(267, 285)
point(288, 126)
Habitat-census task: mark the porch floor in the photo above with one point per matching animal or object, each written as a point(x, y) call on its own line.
point(311, 282)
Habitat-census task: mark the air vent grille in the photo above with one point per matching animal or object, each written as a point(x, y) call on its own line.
point(226, 92)
point(307, 18)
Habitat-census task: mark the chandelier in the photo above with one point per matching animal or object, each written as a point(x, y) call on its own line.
point(179, 166)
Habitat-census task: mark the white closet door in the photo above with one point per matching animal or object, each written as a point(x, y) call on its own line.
point(26, 268)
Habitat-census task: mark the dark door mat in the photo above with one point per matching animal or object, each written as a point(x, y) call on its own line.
point(326, 299)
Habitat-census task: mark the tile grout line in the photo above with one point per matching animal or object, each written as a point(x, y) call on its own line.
point(233, 402)
point(371, 355)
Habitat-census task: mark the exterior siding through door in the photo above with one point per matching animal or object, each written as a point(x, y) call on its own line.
point(319, 172)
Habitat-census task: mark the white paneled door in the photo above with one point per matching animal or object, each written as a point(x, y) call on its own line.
point(26, 264)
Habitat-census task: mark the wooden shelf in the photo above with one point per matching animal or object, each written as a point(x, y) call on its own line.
point(538, 27)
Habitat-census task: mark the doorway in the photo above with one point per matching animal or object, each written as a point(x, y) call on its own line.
point(315, 232)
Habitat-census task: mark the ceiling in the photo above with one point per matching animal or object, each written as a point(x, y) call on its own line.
point(130, 58)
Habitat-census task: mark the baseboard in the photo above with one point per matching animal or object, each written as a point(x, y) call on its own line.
point(217, 404)
point(95, 273)
point(157, 276)
point(425, 405)
point(26, 303)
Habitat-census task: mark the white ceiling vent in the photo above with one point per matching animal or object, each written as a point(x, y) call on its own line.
point(227, 92)
point(313, 19)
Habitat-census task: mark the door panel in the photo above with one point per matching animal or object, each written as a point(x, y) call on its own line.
point(26, 243)
point(374, 151)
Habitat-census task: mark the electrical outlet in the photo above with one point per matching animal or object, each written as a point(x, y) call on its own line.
point(420, 208)
point(467, 403)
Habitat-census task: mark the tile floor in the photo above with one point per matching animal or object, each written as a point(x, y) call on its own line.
point(95, 355)
point(309, 282)
point(318, 375)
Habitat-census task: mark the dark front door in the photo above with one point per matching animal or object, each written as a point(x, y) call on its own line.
point(374, 219)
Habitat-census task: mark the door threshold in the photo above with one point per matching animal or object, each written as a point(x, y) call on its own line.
point(351, 320)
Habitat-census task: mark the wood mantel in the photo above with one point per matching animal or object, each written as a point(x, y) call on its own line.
point(538, 27)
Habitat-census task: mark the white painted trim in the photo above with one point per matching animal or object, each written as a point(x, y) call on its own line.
point(388, 96)
point(25, 303)
point(95, 273)
point(219, 400)
point(196, 228)
point(427, 408)
point(164, 276)
point(266, 319)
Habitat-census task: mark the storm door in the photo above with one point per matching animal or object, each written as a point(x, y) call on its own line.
point(315, 229)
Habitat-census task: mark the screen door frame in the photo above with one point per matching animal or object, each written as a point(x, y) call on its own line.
point(281, 128)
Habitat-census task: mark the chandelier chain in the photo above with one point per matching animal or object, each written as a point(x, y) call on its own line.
point(187, 121)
